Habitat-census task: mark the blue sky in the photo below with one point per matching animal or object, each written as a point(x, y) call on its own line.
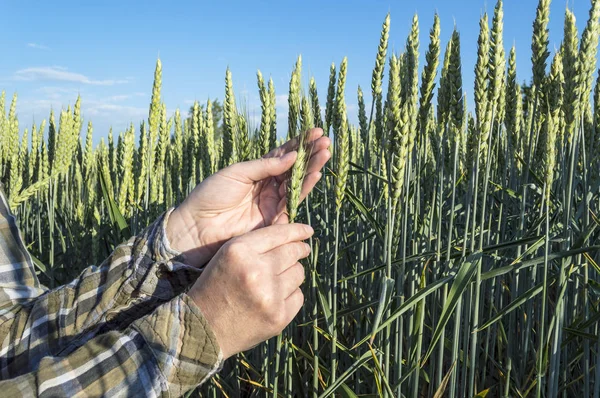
point(106, 51)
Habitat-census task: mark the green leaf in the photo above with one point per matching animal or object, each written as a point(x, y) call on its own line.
point(38, 263)
point(346, 311)
point(534, 291)
point(346, 392)
point(114, 213)
point(535, 261)
point(585, 236)
point(381, 372)
point(594, 287)
point(296, 373)
point(532, 249)
point(582, 325)
point(325, 306)
point(344, 376)
point(407, 305)
point(42, 267)
point(387, 288)
point(442, 388)
point(418, 315)
point(462, 280)
point(362, 209)
point(482, 394)
point(578, 333)
point(360, 168)
point(361, 273)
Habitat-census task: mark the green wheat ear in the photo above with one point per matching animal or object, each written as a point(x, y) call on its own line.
point(297, 174)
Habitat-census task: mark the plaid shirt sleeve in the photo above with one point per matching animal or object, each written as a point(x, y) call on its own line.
point(126, 327)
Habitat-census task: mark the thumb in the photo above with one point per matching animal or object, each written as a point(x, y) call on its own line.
point(259, 169)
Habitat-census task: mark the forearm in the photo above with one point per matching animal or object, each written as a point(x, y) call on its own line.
point(140, 275)
point(164, 353)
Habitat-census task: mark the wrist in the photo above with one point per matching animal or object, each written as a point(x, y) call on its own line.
point(183, 237)
point(207, 307)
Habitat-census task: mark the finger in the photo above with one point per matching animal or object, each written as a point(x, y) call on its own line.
point(309, 183)
point(282, 216)
point(319, 155)
point(282, 205)
point(282, 219)
point(259, 169)
point(268, 238)
point(291, 279)
point(319, 144)
point(312, 136)
point(315, 163)
point(283, 188)
point(285, 256)
point(293, 304)
point(292, 145)
point(318, 160)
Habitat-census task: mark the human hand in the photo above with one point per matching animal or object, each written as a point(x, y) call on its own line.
point(241, 198)
point(249, 291)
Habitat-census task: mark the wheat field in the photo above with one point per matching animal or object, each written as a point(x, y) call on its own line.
point(456, 250)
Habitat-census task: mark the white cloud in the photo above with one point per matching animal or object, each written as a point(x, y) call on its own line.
point(58, 93)
point(57, 73)
point(281, 101)
point(38, 46)
point(116, 112)
point(103, 111)
point(124, 97)
point(90, 108)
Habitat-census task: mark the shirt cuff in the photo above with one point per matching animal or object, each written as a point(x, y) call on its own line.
point(159, 269)
point(185, 347)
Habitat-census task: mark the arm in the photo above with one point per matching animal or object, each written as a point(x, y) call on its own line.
point(112, 330)
point(164, 353)
point(139, 276)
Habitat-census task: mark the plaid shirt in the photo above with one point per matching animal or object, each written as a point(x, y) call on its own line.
point(124, 328)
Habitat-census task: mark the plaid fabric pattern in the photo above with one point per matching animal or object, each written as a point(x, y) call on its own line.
point(123, 328)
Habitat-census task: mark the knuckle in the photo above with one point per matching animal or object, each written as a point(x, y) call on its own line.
point(235, 249)
point(297, 250)
point(278, 319)
point(264, 302)
point(288, 232)
point(300, 274)
point(300, 230)
point(250, 279)
point(305, 250)
point(274, 316)
point(299, 301)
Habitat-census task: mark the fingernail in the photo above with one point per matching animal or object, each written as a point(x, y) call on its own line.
point(309, 229)
point(307, 247)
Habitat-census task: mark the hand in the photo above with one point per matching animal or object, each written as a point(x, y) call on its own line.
point(241, 198)
point(249, 292)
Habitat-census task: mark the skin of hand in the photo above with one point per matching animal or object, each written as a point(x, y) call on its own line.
point(249, 291)
point(241, 198)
